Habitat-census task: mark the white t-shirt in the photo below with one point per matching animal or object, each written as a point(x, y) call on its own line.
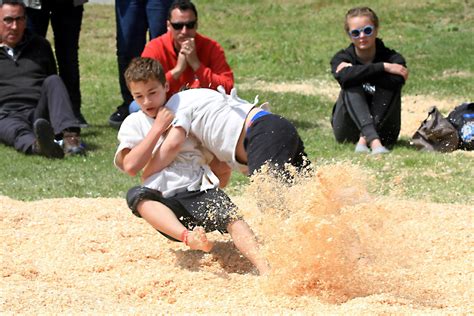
point(188, 172)
point(214, 118)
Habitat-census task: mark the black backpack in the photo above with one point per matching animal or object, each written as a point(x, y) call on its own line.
point(462, 118)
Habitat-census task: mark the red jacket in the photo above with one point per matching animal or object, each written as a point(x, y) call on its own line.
point(214, 70)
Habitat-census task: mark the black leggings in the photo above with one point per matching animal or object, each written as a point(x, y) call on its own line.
point(355, 114)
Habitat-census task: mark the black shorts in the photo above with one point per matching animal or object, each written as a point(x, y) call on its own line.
point(273, 139)
point(211, 209)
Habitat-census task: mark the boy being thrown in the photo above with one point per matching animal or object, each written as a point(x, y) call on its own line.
point(179, 189)
point(240, 134)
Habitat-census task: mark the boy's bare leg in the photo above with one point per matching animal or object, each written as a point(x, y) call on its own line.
point(163, 219)
point(245, 240)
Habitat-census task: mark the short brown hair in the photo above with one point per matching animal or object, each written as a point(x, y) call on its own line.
point(144, 69)
point(361, 11)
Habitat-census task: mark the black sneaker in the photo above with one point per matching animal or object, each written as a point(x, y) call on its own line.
point(116, 119)
point(45, 144)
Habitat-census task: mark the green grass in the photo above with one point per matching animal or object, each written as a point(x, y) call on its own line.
point(278, 41)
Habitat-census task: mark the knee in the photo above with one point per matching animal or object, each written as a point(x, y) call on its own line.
point(52, 80)
point(134, 196)
point(353, 98)
point(54, 83)
point(236, 226)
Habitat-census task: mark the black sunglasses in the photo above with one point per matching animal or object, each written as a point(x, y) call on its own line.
point(180, 25)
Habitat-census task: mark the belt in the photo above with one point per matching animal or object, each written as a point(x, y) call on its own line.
point(255, 117)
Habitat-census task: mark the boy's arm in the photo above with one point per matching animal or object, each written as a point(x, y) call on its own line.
point(167, 152)
point(133, 160)
point(222, 170)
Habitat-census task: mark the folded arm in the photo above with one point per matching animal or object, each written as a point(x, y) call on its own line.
point(166, 153)
point(133, 160)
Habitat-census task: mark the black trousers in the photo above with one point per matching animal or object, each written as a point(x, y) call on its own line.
point(54, 105)
point(356, 114)
point(66, 21)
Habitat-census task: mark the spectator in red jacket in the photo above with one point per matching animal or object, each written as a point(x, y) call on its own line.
point(189, 59)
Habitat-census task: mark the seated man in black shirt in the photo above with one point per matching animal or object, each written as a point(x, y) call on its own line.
point(35, 108)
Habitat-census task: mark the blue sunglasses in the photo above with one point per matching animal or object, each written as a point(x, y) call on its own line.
point(368, 30)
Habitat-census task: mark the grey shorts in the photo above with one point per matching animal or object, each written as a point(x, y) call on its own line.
point(211, 209)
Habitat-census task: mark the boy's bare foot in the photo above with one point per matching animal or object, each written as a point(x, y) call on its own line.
point(197, 240)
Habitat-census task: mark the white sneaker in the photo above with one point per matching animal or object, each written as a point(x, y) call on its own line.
point(380, 150)
point(361, 149)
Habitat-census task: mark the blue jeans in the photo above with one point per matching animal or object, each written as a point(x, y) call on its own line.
point(134, 19)
point(66, 21)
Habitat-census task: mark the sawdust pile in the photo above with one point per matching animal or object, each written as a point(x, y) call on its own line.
point(334, 248)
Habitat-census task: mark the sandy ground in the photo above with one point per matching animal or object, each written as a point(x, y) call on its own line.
point(334, 248)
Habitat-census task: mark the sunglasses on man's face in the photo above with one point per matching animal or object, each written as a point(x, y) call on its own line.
point(368, 30)
point(179, 25)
